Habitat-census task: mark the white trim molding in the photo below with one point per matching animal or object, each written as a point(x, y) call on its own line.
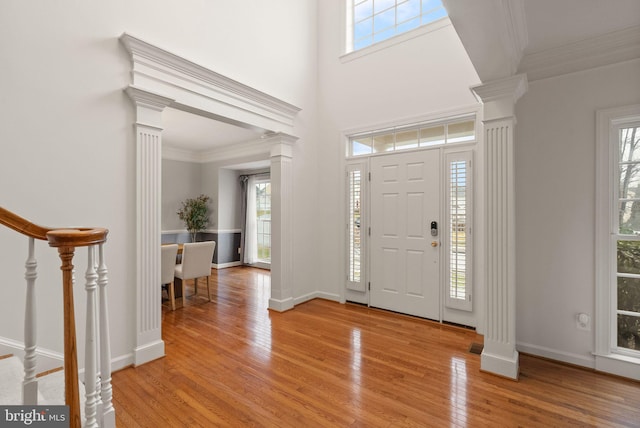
point(611, 48)
point(161, 79)
point(515, 23)
point(606, 153)
point(199, 90)
point(501, 23)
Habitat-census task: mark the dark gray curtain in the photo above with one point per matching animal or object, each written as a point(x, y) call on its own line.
point(243, 212)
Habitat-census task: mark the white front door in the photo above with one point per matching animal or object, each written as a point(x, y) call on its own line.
point(405, 268)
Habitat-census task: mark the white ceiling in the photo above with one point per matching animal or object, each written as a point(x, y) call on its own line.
point(193, 133)
point(554, 23)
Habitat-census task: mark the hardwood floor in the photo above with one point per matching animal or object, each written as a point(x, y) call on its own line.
point(231, 362)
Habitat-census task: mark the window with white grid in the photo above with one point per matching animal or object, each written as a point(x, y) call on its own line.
point(413, 136)
point(263, 217)
point(458, 240)
point(355, 227)
point(373, 21)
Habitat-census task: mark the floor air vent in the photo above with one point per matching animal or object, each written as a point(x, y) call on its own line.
point(476, 348)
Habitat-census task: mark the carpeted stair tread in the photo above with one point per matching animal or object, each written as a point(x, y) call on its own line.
point(11, 375)
point(50, 386)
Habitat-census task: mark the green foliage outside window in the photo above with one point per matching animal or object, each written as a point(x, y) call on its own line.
point(629, 295)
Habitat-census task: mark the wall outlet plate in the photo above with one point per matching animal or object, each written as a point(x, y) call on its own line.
point(583, 322)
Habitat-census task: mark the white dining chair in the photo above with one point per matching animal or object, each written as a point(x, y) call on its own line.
point(196, 263)
point(168, 262)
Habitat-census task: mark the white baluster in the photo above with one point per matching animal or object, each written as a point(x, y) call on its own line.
point(108, 412)
point(90, 343)
point(30, 383)
point(98, 341)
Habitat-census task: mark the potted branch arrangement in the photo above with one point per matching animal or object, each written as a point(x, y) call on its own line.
point(195, 214)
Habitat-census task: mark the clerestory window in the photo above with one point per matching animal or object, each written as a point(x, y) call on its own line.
point(373, 21)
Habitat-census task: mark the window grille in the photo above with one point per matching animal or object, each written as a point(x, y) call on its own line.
point(458, 244)
point(426, 134)
point(374, 21)
point(263, 217)
point(355, 242)
point(627, 245)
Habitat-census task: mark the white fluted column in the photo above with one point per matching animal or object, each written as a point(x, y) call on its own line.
point(499, 99)
point(281, 222)
point(148, 128)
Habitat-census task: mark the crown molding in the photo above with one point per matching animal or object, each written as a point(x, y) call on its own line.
point(611, 48)
point(515, 24)
point(177, 154)
point(235, 151)
point(161, 71)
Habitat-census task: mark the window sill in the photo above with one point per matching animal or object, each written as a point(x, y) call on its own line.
point(400, 38)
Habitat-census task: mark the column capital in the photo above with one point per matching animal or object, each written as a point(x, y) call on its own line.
point(143, 98)
point(149, 106)
point(500, 96)
point(281, 144)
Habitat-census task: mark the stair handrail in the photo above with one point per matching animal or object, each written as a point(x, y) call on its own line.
point(66, 240)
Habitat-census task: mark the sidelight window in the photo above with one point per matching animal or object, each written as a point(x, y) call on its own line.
point(458, 240)
point(355, 227)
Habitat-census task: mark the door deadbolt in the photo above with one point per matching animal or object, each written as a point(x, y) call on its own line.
point(434, 228)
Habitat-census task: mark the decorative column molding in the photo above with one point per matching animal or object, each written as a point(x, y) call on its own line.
point(148, 128)
point(499, 99)
point(281, 222)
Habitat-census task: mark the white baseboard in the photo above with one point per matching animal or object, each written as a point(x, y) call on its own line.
point(49, 360)
point(316, 295)
point(553, 354)
point(122, 362)
point(225, 265)
point(46, 359)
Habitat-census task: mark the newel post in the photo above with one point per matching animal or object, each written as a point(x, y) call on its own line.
point(499, 100)
point(148, 129)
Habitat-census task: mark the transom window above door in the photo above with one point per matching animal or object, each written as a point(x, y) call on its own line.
point(426, 134)
point(373, 21)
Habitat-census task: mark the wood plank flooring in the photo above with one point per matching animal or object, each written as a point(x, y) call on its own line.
point(231, 362)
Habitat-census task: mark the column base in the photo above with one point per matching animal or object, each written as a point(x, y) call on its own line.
point(148, 352)
point(500, 365)
point(281, 305)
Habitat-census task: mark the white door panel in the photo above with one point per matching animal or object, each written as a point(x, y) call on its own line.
point(405, 269)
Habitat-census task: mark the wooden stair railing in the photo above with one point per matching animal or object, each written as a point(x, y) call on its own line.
point(99, 409)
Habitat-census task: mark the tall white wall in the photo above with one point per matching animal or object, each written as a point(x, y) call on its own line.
point(68, 147)
point(555, 212)
point(425, 75)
